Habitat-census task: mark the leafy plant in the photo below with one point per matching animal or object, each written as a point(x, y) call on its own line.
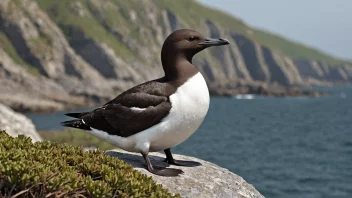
point(47, 169)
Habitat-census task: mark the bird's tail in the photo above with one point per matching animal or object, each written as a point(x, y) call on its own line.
point(76, 124)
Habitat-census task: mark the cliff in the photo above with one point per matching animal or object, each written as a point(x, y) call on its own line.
point(69, 53)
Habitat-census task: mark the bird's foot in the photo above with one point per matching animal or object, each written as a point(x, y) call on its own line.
point(161, 171)
point(166, 172)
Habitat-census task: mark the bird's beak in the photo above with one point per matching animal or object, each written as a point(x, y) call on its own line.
point(214, 42)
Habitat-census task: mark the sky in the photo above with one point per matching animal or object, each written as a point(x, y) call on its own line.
point(322, 24)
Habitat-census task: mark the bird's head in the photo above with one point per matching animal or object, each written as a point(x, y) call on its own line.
point(186, 43)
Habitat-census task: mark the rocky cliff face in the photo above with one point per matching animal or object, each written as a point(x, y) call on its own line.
point(316, 70)
point(59, 53)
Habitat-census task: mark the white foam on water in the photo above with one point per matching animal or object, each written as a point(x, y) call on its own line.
point(245, 96)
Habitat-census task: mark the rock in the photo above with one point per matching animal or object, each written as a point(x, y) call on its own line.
point(323, 73)
point(253, 57)
point(25, 92)
point(40, 43)
point(203, 179)
point(16, 124)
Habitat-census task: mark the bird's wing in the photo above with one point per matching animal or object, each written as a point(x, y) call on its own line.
point(129, 113)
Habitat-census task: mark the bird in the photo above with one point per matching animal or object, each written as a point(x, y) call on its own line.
point(158, 114)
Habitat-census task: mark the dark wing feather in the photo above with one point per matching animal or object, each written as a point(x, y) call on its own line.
point(117, 118)
point(140, 99)
point(129, 122)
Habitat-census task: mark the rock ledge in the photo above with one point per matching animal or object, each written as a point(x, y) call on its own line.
point(204, 179)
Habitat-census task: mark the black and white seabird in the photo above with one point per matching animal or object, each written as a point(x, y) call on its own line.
point(157, 114)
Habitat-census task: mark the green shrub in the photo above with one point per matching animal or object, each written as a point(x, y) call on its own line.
point(47, 169)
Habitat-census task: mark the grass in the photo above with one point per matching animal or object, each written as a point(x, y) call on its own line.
point(42, 45)
point(76, 138)
point(62, 14)
point(193, 13)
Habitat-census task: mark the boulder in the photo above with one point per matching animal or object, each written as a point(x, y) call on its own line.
point(17, 124)
point(200, 178)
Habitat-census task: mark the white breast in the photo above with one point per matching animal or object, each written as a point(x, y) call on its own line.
point(190, 104)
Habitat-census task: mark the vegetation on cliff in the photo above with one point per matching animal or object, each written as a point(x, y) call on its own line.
point(86, 51)
point(191, 12)
point(46, 169)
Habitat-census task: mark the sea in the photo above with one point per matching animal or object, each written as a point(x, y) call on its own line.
point(292, 147)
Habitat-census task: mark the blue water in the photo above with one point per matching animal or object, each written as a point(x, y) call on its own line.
point(285, 147)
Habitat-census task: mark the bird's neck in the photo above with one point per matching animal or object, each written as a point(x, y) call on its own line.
point(177, 66)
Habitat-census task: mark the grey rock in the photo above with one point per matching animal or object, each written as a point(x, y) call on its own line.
point(23, 91)
point(292, 71)
point(253, 56)
point(65, 78)
point(348, 71)
point(203, 179)
point(239, 64)
point(316, 72)
point(17, 124)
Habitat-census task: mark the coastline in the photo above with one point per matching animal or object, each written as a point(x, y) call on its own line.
point(258, 90)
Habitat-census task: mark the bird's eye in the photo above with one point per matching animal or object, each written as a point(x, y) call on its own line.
point(192, 38)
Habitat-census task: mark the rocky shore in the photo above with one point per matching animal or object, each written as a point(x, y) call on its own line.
point(267, 92)
point(242, 87)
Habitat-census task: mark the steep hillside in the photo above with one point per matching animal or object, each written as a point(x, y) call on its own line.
point(57, 54)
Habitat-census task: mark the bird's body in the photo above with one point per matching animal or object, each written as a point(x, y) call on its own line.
point(158, 114)
point(189, 106)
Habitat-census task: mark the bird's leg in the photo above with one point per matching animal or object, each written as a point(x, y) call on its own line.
point(169, 172)
point(169, 159)
point(149, 165)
